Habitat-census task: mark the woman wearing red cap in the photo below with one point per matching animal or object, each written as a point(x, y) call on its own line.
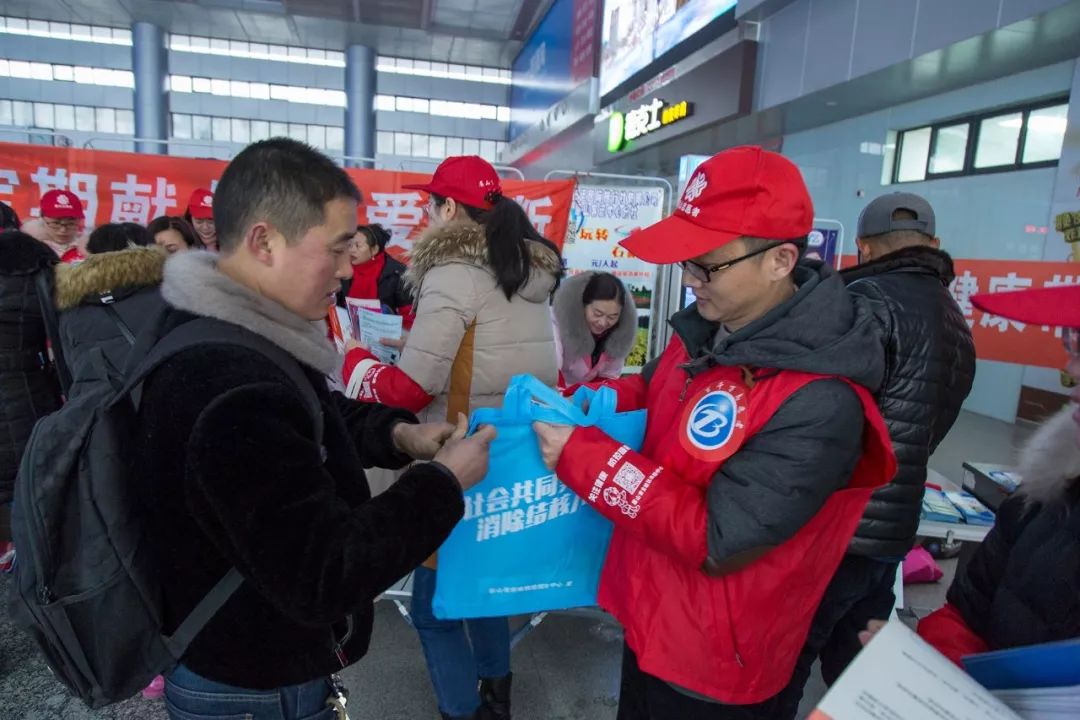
point(1022, 586)
point(200, 215)
point(482, 278)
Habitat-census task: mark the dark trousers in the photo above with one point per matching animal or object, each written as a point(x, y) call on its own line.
point(644, 697)
point(861, 591)
point(5, 523)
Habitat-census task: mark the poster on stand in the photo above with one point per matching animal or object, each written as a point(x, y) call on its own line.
point(601, 217)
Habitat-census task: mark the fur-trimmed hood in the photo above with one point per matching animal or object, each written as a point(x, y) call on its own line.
point(574, 334)
point(194, 284)
point(21, 254)
point(1050, 461)
point(465, 242)
point(110, 272)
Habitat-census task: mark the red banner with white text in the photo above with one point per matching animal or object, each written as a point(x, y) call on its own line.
point(132, 187)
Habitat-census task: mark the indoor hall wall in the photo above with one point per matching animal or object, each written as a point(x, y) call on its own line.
point(981, 216)
point(809, 45)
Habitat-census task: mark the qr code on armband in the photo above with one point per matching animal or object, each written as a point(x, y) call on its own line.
point(629, 478)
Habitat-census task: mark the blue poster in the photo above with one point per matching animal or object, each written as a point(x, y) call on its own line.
point(543, 69)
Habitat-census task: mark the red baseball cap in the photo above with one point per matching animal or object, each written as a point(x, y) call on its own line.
point(741, 192)
point(61, 204)
point(201, 204)
point(1056, 306)
point(469, 179)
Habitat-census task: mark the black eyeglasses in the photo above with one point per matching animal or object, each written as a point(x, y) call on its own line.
point(703, 273)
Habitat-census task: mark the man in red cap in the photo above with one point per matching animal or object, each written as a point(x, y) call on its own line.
point(763, 445)
point(62, 216)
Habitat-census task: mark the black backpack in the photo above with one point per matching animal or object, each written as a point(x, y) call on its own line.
point(86, 586)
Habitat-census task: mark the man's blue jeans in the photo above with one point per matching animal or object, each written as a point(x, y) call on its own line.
point(192, 697)
point(456, 660)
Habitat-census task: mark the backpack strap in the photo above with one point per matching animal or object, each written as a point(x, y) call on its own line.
point(208, 331)
point(52, 326)
point(199, 333)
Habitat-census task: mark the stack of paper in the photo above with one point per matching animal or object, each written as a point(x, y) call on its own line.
point(937, 508)
point(974, 512)
point(1038, 681)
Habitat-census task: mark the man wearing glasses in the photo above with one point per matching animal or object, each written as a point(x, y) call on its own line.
point(762, 448)
point(62, 215)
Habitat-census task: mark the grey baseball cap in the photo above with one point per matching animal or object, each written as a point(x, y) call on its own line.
point(877, 217)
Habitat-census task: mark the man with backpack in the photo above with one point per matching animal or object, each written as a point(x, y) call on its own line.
point(258, 546)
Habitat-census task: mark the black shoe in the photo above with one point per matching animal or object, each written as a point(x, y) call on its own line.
point(495, 697)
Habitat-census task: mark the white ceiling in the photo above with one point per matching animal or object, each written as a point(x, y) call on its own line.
point(473, 32)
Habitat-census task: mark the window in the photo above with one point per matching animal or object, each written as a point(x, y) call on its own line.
point(219, 129)
point(470, 146)
point(65, 31)
point(438, 147)
point(278, 129)
point(420, 145)
point(200, 127)
point(998, 139)
point(255, 51)
point(384, 143)
point(1045, 134)
point(22, 113)
point(335, 139)
point(181, 126)
point(65, 117)
point(5, 113)
point(43, 115)
point(317, 136)
point(454, 146)
point(125, 122)
point(260, 130)
point(179, 83)
point(241, 131)
point(424, 68)
point(84, 118)
point(402, 144)
point(949, 149)
point(106, 120)
point(1010, 139)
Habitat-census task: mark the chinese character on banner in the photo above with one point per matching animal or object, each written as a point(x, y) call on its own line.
point(532, 208)
point(537, 514)
point(547, 487)
point(84, 185)
point(963, 287)
point(513, 521)
point(132, 201)
point(399, 213)
point(9, 180)
point(1005, 284)
point(1059, 281)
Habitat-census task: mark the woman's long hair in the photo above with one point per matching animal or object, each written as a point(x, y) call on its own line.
point(508, 229)
point(180, 225)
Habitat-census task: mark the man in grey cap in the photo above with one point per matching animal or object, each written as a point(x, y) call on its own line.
point(930, 365)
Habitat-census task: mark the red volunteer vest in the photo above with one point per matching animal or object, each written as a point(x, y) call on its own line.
point(733, 638)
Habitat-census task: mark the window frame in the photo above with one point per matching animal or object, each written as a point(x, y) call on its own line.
point(974, 123)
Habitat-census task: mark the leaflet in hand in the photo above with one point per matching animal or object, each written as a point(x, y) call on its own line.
point(899, 675)
point(371, 325)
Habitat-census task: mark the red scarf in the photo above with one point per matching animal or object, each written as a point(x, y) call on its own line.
point(365, 281)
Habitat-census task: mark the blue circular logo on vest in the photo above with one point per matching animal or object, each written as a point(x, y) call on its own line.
point(712, 421)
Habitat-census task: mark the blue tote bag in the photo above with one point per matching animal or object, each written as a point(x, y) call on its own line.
point(527, 543)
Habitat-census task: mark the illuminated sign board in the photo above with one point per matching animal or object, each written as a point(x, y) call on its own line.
point(626, 127)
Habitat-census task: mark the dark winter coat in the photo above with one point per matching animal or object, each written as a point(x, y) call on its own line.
point(929, 369)
point(123, 282)
point(28, 388)
point(233, 478)
point(1022, 586)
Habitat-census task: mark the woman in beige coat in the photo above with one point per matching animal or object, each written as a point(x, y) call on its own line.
point(482, 277)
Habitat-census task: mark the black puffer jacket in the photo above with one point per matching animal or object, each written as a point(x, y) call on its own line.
point(929, 369)
point(1022, 586)
point(87, 296)
point(28, 389)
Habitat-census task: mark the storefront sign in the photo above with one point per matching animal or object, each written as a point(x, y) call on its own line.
point(629, 126)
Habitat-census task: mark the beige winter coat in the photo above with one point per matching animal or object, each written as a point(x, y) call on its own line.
point(468, 340)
